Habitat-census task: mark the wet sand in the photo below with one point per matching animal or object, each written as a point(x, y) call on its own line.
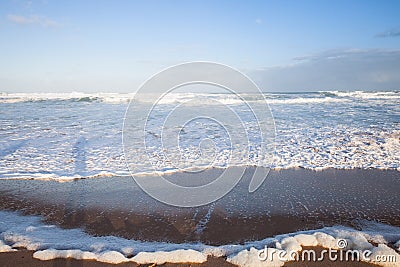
point(24, 259)
point(288, 201)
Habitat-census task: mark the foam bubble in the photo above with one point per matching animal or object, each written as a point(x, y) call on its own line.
point(176, 256)
point(5, 248)
point(250, 258)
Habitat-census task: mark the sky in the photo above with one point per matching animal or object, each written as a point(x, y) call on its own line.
point(114, 46)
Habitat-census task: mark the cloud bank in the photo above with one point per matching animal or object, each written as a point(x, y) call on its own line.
point(392, 33)
point(352, 69)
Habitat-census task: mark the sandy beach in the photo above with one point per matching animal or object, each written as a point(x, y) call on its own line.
point(25, 259)
point(288, 201)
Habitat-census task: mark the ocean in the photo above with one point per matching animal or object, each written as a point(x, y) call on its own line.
point(78, 135)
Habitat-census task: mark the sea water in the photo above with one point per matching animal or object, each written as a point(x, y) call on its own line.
point(74, 135)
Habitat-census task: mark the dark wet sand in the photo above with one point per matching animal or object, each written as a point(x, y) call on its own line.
point(288, 201)
point(25, 259)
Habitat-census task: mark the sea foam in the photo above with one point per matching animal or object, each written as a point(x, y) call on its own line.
point(67, 136)
point(51, 242)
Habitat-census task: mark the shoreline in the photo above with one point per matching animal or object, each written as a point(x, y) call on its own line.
point(288, 201)
point(24, 258)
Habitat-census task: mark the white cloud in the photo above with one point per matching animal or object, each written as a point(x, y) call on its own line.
point(32, 19)
point(19, 19)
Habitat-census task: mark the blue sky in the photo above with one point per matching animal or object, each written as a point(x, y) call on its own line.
point(63, 46)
